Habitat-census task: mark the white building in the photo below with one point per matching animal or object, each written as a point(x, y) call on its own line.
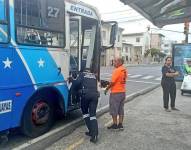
point(128, 53)
point(167, 46)
point(141, 43)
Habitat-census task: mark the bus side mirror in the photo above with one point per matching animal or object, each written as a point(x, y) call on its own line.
point(113, 34)
point(110, 30)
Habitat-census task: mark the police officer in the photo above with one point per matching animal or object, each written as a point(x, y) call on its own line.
point(89, 100)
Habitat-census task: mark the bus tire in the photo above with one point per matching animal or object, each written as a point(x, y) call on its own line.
point(38, 117)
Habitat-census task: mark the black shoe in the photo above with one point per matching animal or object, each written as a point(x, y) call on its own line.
point(173, 108)
point(120, 126)
point(87, 133)
point(113, 126)
point(94, 139)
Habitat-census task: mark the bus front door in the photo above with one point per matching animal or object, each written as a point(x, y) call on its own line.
point(75, 55)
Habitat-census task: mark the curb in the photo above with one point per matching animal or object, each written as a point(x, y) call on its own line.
point(53, 136)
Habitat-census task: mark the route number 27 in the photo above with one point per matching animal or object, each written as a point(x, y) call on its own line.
point(53, 12)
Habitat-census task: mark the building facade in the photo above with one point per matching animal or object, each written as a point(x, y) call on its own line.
point(127, 53)
point(167, 46)
point(140, 42)
point(156, 40)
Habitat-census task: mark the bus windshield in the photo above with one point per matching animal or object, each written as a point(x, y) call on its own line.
point(3, 22)
point(40, 22)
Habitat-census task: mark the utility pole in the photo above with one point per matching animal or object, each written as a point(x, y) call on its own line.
point(186, 30)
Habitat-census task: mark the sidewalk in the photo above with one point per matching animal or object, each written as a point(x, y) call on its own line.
point(147, 127)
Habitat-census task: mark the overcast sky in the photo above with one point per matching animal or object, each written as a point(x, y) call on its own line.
point(130, 20)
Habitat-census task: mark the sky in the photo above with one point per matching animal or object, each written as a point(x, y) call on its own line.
point(131, 21)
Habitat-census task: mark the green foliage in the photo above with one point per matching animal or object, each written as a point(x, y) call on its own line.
point(154, 52)
point(161, 55)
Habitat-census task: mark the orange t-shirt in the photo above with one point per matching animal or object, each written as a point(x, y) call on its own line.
point(119, 77)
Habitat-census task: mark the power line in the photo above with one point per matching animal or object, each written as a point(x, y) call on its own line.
point(136, 17)
point(168, 30)
point(113, 12)
point(132, 20)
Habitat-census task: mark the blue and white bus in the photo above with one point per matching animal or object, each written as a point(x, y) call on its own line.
point(41, 43)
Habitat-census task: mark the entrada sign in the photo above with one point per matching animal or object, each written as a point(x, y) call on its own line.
point(81, 10)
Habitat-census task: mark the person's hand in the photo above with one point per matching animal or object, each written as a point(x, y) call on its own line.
point(70, 79)
point(105, 91)
point(176, 73)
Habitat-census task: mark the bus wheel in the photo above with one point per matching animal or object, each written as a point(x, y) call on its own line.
point(37, 117)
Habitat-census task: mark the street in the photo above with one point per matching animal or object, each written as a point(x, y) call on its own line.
point(146, 127)
point(139, 78)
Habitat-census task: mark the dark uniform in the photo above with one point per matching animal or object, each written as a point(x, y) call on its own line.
point(169, 86)
point(89, 100)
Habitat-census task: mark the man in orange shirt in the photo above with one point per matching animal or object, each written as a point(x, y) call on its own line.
point(117, 96)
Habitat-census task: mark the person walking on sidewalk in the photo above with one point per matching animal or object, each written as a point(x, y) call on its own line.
point(117, 95)
point(168, 84)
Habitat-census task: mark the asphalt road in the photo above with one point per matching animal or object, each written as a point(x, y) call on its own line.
point(139, 78)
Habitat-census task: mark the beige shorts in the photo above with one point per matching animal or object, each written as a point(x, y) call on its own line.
point(116, 104)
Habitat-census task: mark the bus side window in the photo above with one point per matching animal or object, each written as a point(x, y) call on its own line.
point(3, 22)
point(40, 22)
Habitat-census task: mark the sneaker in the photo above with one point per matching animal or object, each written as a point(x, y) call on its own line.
point(113, 126)
point(167, 110)
point(94, 139)
point(87, 133)
point(173, 108)
point(120, 126)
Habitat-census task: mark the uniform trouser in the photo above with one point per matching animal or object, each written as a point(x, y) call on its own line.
point(89, 103)
point(169, 89)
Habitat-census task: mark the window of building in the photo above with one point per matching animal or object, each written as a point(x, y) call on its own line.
point(126, 49)
point(118, 39)
point(166, 45)
point(3, 22)
point(104, 35)
point(137, 39)
point(40, 22)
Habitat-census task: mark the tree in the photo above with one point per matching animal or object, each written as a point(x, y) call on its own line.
point(161, 55)
point(152, 51)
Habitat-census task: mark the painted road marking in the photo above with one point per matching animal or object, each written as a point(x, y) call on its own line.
point(107, 74)
point(142, 82)
point(135, 76)
point(147, 77)
point(75, 145)
point(158, 79)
